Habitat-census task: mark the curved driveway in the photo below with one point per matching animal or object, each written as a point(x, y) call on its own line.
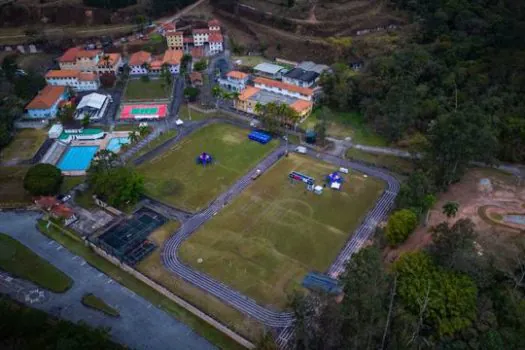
point(241, 302)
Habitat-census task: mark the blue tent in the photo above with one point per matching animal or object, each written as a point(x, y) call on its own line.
point(318, 281)
point(204, 159)
point(260, 137)
point(334, 177)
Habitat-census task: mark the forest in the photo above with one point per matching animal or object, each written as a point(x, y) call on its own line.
point(455, 92)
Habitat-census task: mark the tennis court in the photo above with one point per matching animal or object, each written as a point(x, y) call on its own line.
point(127, 240)
point(143, 111)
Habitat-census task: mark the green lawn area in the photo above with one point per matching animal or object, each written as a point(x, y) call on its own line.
point(20, 261)
point(195, 115)
point(24, 145)
point(12, 193)
point(396, 164)
point(155, 143)
point(71, 181)
point(250, 61)
point(175, 178)
point(128, 281)
point(347, 124)
point(270, 236)
point(94, 302)
point(146, 90)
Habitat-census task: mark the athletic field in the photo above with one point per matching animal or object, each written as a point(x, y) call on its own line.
point(138, 111)
point(275, 232)
point(146, 90)
point(175, 178)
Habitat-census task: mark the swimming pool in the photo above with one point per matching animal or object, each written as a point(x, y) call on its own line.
point(115, 143)
point(77, 158)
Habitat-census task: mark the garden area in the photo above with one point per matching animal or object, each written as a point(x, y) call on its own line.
point(146, 90)
point(275, 232)
point(175, 178)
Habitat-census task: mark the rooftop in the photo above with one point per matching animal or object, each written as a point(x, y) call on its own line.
point(237, 75)
point(302, 75)
point(47, 97)
point(62, 73)
point(65, 135)
point(92, 100)
point(268, 68)
point(87, 76)
point(197, 52)
point(312, 67)
point(214, 23)
point(174, 33)
point(173, 56)
point(215, 37)
point(139, 58)
point(301, 105)
point(109, 59)
point(264, 97)
point(248, 92)
point(283, 86)
point(72, 54)
point(200, 31)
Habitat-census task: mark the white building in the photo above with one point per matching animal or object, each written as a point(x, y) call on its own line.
point(215, 40)
point(79, 59)
point(235, 81)
point(284, 89)
point(269, 70)
point(214, 25)
point(79, 81)
point(94, 105)
point(200, 36)
point(109, 63)
point(138, 61)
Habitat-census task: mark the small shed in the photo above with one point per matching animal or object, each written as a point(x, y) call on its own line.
point(55, 131)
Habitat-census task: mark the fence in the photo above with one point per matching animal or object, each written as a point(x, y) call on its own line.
point(179, 301)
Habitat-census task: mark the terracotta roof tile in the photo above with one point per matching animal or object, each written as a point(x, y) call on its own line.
point(175, 33)
point(200, 31)
point(188, 40)
point(301, 105)
point(197, 52)
point(70, 55)
point(237, 75)
point(173, 57)
point(113, 58)
point(63, 73)
point(139, 58)
point(46, 97)
point(87, 76)
point(284, 86)
point(215, 38)
point(248, 92)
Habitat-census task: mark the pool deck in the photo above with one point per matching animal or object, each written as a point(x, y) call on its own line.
point(101, 143)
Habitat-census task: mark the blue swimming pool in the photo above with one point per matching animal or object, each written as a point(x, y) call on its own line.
point(77, 158)
point(115, 143)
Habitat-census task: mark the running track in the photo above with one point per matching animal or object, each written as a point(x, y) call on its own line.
point(275, 319)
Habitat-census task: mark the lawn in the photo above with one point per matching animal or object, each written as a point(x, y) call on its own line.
point(94, 302)
point(175, 178)
point(12, 193)
point(250, 61)
point(153, 89)
point(195, 115)
point(347, 124)
point(396, 164)
point(24, 145)
point(155, 143)
point(142, 289)
point(71, 181)
point(270, 236)
point(21, 262)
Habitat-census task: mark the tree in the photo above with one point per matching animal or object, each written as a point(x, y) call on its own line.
point(165, 75)
point(417, 193)
point(86, 120)
point(43, 180)
point(191, 93)
point(216, 92)
point(320, 131)
point(200, 65)
point(450, 209)
point(66, 114)
point(133, 137)
point(400, 225)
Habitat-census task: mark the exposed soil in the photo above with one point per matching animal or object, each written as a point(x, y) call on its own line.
point(506, 195)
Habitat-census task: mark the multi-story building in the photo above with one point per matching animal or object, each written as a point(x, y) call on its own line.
point(172, 59)
point(269, 70)
point(214, 25)
point(45, 104)
point(165, 28)
point(79, 81)
point(138, 63)
point(109, 63)
point(215, 40)
point(175, 40)
point(78, 59)
point(200, 36)
point(300, 77)
point(235, 81)
point(284, 89)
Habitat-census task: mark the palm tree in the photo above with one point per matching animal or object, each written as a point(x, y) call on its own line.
point(105, 58)
point(146, 66)
point(133, 137)
point(450, 209)
point(217, 93)
point(259, 108)
point(143, 131)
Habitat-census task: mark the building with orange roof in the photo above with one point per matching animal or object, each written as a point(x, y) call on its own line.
point(214, 25)
point(80, 59)
point(109, 63)
point(45, 104)
point(78, 80)
point(302, 107)
point(234, 81)
point(215, 41)
point(175, 40)
point(200, 36)
point(166, 28)
point(138, 63)
point(279, 87)
point(172, 59)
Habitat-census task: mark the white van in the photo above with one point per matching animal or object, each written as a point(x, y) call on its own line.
point(301, 149)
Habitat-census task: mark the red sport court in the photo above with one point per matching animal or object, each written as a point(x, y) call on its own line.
point(143, 111)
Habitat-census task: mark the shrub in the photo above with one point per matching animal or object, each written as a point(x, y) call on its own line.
point(400, 225)
point(43, 180)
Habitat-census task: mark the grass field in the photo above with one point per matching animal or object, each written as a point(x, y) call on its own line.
point(155, 143)
point(71, 181)
point(396, 164)
point(275, 232)
point(91, 301)
point(250, 61)
point(146, 90)
point(142, 289)
point(175, 178)
point(12, 193)
point(20, 261)
point(347, 124)
point(24, 145)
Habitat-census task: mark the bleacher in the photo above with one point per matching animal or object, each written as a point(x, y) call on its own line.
point(260, 137)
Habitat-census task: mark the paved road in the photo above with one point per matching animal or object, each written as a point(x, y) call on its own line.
point(141, 324)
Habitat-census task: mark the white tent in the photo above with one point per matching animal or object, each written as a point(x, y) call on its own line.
point(335, 185)
point(93, 104)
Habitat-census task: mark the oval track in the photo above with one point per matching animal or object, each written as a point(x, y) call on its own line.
point(247, 305)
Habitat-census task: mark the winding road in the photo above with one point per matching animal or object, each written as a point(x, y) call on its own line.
point(244, 304)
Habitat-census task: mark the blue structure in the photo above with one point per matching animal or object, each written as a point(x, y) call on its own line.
point(260, 137)
point(321, 282)
point(334, 177)
point(204, 159)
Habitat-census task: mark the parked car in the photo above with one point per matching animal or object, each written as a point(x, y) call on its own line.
point(256, 174)
point(301, 149)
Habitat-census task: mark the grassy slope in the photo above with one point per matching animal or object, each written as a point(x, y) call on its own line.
point(96, 303)
point(12, 191)
point(20, 261)
point(24, 145)
point(275, 232)
point(140, 90)
point(175, 178)
point(201, 327)
point(393, 163)
point(157, 142)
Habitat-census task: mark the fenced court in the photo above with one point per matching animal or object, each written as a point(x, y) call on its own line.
point(127, 240)
point(143, 111)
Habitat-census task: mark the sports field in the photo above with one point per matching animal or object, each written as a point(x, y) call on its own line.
point(147, 90)
point(275, 232)
point(175, 178)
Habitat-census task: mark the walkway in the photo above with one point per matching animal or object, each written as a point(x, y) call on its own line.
point(141, 325)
